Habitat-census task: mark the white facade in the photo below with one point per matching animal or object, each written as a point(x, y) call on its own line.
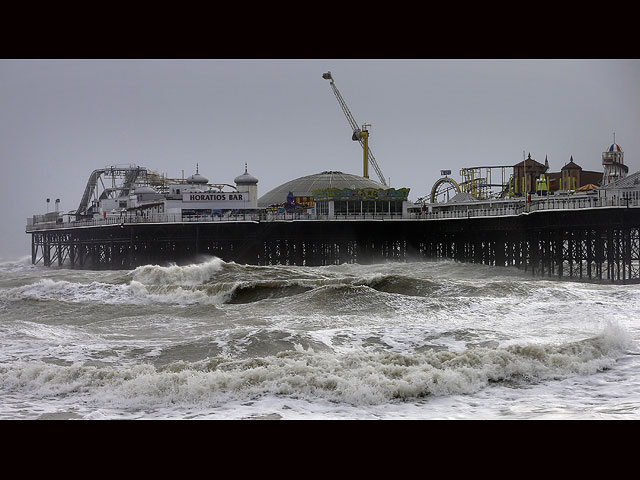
point(195, 197)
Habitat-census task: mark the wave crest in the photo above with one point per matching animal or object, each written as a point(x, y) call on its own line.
point(193, 274)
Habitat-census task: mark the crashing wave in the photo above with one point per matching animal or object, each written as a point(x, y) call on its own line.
point(356, 378)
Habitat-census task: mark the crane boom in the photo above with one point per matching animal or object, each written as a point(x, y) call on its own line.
point(354, 126)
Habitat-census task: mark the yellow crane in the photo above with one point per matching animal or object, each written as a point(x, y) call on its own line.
point(359, 134)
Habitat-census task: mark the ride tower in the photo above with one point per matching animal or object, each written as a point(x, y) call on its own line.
point(613, 163)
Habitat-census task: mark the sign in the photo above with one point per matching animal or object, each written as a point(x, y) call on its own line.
point(212, 201)
point(364, 194)
point(216, 197)
point(445, 172)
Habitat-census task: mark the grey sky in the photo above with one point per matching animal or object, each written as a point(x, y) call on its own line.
point(61, 119)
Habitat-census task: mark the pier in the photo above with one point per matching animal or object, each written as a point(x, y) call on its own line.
point(582, 239)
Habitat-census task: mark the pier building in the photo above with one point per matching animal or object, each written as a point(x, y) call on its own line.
point(533, 177)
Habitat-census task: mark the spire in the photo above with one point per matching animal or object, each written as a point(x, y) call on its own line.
point(197, 168)
point(546, 162)
point(245, 167)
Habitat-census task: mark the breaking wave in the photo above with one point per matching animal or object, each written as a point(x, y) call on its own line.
point(193, 274)
point(215, 282)
point(356, 378)
point(134, 293)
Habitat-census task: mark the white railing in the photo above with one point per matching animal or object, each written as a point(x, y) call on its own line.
point(582, 202)
point(469, 211)
point(178, 218)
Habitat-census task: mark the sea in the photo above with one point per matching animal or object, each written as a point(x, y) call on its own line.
point(216, 340)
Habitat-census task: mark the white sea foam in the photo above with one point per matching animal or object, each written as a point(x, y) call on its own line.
point(134, 292)
point(193, 274)
point(72, 291)
point(357, 378)
point(181, 295)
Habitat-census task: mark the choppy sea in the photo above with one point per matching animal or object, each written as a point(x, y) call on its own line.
point(217, 340)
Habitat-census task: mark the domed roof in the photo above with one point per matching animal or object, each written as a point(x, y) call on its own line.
point(615, 148)
point(197, 178)
point(303, 186)
point(246, 178)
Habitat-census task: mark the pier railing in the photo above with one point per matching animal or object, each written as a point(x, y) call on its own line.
point(562, 203)
point(461, 210)
point(178, 218)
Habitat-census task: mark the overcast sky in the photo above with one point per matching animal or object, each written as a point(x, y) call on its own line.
point(61, 119)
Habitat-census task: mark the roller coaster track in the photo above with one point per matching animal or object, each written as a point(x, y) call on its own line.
point(130, 174)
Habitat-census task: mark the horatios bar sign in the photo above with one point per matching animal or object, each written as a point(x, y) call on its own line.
point(215, 197)
point(216, 200)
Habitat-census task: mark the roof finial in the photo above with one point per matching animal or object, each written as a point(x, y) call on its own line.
point(197, 168)
point(245, 167)
point(614, 138)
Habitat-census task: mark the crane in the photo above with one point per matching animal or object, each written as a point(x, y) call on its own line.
point(359, 134)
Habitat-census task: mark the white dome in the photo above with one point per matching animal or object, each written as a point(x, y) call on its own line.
point(197, 178)
point(246, 178)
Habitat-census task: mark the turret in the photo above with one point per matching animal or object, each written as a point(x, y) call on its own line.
point(248, 183)
point(196, 178)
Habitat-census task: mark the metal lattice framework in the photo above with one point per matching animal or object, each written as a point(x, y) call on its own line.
point(110, 182)
point(478, 181)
